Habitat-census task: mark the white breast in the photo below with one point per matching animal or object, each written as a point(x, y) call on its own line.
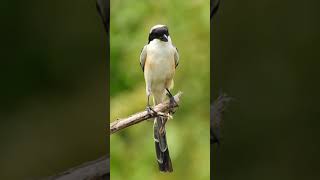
point(160, 57)
point(161, 65)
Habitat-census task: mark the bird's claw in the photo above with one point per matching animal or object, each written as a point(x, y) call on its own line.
point(172, 105)
point(150, 110)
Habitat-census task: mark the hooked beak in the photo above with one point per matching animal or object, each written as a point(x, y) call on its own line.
point(164, 38)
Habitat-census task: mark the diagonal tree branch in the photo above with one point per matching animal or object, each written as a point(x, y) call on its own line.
point(161, 109)
point(93, 170)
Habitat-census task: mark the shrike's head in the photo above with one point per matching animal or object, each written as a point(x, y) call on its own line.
point(160, 32)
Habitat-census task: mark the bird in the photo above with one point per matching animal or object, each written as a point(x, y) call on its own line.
point(159, 60)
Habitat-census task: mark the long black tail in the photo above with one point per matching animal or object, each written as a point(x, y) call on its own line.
point(161, 146)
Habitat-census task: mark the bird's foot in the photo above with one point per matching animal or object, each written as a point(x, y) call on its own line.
point(172, 105)
point(150, 110)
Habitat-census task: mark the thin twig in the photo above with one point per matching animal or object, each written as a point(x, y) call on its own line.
point(161, 110)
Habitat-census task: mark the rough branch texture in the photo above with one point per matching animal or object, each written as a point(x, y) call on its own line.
point(144, 115)
point(93, 170)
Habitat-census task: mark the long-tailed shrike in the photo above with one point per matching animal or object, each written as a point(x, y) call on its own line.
point(159, 59)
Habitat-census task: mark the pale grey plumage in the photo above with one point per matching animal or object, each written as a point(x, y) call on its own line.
point(158, 60)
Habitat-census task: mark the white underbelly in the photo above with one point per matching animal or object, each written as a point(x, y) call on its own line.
point(160, 72)
point(159, 67)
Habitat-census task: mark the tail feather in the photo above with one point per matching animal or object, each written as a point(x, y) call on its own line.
point(161, 147)
point(160, 139)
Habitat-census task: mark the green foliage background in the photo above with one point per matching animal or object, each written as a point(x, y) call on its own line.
point(132, 150)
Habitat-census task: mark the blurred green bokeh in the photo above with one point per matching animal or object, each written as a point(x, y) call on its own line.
point(53, 95)
point(266, 56)
point(132, 150)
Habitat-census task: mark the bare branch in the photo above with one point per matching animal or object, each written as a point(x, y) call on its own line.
point(161, 109)
point(93, 170)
